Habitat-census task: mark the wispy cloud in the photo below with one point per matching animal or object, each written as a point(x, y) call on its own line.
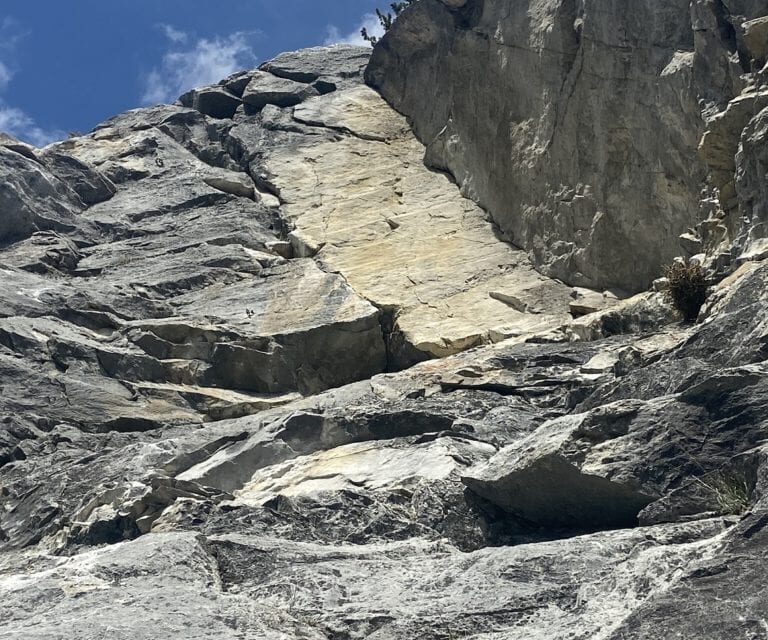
point(5, 76)
point(173, 34)
point(12, 119)
point(21, 126)
point(11, 33)
point(369, 21)
point(207, 61)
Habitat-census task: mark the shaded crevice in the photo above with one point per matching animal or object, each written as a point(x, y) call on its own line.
point(550, 497)
point(400, 353)
point(343, 130)
point(123, 512)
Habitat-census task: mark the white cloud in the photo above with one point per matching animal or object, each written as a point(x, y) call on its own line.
point(174, 35)
point(21, 126)
point(11, 34)
point(12, 119)
point(369, 21)
point(5, 76)
point(207, 62)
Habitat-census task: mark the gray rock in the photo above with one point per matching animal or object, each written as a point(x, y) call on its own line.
point(86, 182)
point(216, 102)
point(9, 142)
point(265, 88)
point(291, 328)
point(33, 199)
point(342, 62)
point(541, 487)
point(537, 118)
point(586, 301)
point(261, 585)
point(751, 187)
point(43, 252)
point(196, 436)
point(237, 82)
point(756, 37)
point(709, 601)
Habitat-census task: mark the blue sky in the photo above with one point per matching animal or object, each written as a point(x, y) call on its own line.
point(66, 65)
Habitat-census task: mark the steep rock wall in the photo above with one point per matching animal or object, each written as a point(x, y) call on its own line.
point(575, 123)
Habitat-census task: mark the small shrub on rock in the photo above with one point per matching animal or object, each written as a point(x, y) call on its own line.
point(686, 287)
point(386, 19)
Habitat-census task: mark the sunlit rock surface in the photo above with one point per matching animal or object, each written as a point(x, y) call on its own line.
point(263, 374)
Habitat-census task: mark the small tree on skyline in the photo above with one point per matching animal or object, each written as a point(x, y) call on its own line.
point(386, 19)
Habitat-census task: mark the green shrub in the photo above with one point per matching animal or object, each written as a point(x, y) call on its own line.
point(686, 288)
point(731, 491)
point(386, 19)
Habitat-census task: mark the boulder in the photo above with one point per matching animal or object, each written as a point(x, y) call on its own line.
point(264, 88)
point(342, 62)
point(216, 102)
point(85, 181)
point(33, 199)
point(756, 38)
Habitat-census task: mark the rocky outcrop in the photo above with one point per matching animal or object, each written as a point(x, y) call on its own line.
point(361, 201)
point(572, 123)
point(576, 124)
point(337, 513)
point(265, 374)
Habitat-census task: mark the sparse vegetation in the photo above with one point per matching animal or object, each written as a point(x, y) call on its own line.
point(686, 287)
point(731, 491)
point(386, 19)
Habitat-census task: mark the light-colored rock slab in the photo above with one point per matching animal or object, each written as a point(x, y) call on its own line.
point(364, 465)
point(368, 205)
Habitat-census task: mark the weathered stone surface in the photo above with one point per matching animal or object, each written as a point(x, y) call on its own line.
point(545, 483)
point(9, 142)
point(234, 583)
point(752, 188)
point(710, 601)
point(293, 327)
point(196, 440)
point(398, 464)
point(89, 184)
point(539, 120)
point(33, 199)
point(586, 301)
point(265, 88)
point(356, 210)
point(756, 38)
point(343, 63)
point(43, 252)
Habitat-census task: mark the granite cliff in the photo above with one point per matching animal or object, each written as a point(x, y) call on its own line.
point(589, 128)
point(343, 347)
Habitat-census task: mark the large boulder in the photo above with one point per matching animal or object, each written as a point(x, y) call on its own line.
point(32, 198)
point(265, 88)
point(216, 101)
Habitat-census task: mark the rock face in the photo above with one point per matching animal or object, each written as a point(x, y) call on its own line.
point(264, 374)
point(576, 124)
point(362, 202)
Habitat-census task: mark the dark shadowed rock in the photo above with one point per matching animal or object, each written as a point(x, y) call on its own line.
point(216, 102)
point(86, 182)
